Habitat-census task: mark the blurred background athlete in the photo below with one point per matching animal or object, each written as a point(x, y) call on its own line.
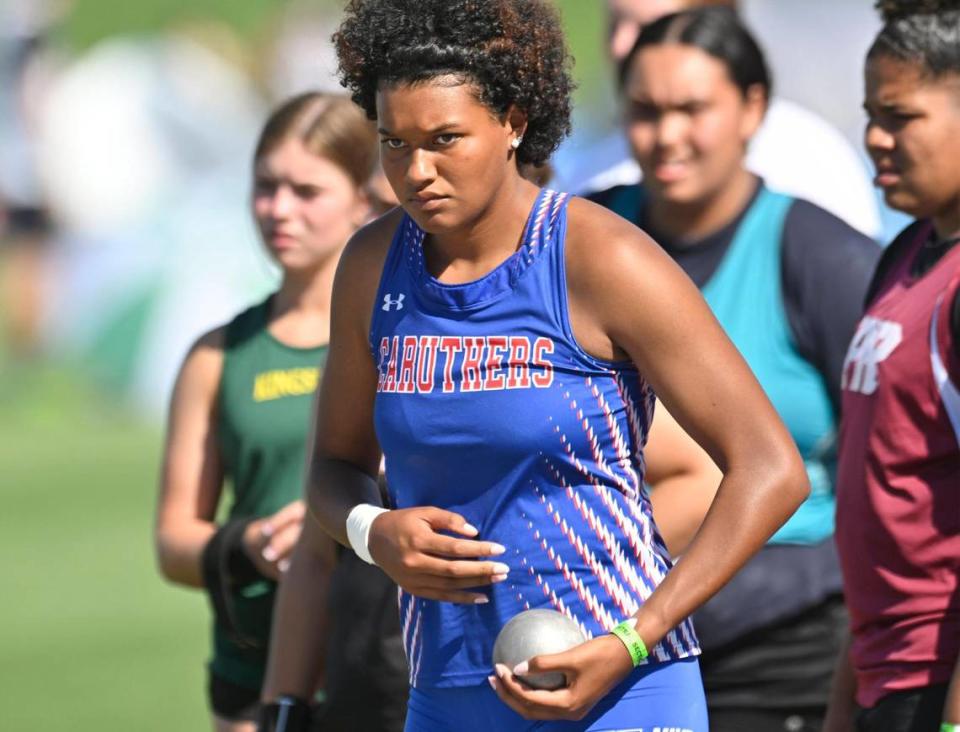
point(898, 507)
point(790, 150)
point(240, 409)
point(786, 279)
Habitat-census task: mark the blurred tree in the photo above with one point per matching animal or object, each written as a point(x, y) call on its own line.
point(584, 22)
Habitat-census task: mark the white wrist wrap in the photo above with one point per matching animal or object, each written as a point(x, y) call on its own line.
point(359, 521)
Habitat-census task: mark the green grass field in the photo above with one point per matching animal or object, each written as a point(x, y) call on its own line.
point(90, 637)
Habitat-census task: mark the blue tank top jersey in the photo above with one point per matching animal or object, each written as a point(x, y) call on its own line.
point(487, 406)
point(745, 293)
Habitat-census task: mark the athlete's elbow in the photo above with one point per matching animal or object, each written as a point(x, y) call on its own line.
point(165, 563)
point(169, 561)
point(788, 478)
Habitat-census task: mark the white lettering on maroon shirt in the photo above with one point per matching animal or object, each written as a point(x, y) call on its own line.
point(873, 342)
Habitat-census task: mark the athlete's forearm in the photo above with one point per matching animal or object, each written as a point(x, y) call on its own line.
point(334, 488)
point(300, 622)
point(753, 501)
point(179, 551)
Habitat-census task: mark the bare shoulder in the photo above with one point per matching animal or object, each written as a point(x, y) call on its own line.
point(207, 350)
point(604, 249)
point(359, 271)
point(203, 364)
point(212, 341)
point(363, 258)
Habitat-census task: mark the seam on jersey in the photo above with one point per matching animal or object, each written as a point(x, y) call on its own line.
point(390, 265)
point(949, 393)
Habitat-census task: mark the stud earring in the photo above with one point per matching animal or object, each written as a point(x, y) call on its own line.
point(515, 142)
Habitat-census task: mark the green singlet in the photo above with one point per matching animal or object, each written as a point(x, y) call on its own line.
point(265, 399)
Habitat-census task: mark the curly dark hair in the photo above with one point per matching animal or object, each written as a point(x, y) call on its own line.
point(513, 51)
point(924, 32)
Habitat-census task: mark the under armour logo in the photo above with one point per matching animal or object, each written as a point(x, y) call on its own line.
point(389, 303)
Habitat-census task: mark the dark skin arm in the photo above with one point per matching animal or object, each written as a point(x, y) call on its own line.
point(406, 543)
point(629, 300)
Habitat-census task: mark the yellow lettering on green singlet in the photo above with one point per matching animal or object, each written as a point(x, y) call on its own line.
point(277, 384)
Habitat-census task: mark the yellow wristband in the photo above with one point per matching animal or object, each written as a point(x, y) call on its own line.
point(629, 636)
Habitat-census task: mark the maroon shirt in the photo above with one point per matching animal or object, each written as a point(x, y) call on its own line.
point(898, 482)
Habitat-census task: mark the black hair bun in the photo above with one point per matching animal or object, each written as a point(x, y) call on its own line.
point(892, 10)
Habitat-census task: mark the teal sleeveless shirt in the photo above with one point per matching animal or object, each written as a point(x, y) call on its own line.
point(746, 295)
point(265, 400)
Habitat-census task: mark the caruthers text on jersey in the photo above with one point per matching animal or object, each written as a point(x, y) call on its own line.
point(486, 363)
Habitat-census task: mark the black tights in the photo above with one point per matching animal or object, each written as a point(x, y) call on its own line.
point(914, 710)
point(760, 720)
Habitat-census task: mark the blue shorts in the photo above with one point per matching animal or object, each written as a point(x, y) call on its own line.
point(663, 697)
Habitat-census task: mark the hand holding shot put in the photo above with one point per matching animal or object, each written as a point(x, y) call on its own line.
point(545, 664)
